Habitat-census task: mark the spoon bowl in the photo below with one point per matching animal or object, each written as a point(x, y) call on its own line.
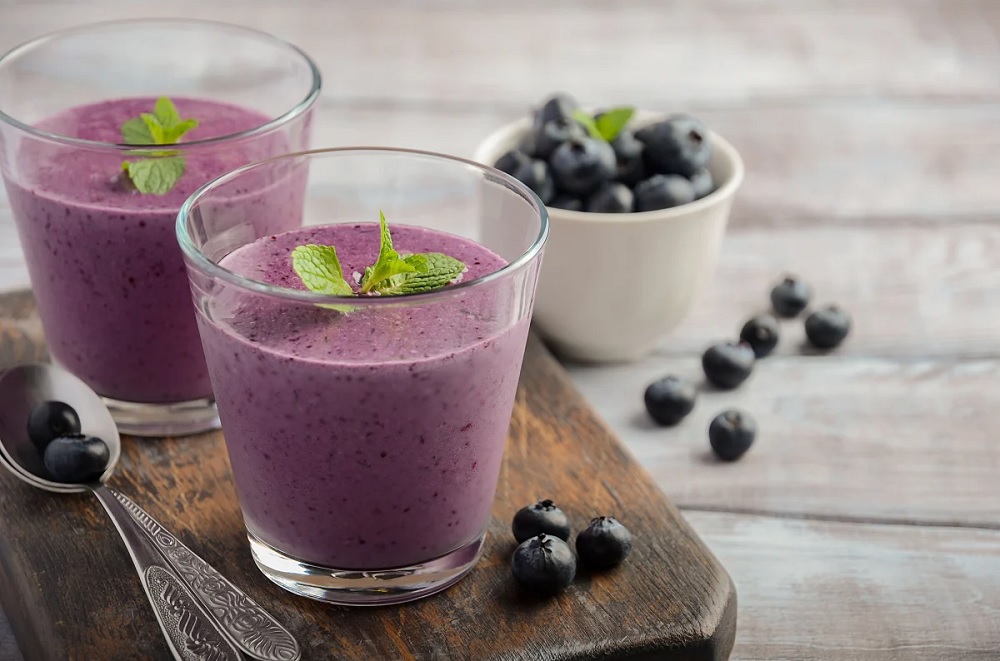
point(203, 606)
point(24, 387)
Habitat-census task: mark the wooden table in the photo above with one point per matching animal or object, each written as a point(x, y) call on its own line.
point(866, 523)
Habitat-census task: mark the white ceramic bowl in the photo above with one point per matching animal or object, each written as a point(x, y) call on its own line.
point(613, 285)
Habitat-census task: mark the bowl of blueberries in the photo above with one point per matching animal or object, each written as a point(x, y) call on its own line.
point(638, 204)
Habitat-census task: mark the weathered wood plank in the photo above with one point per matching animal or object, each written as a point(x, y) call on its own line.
point(914, 290)
point(8, 647)
point(822, 591)
point(514, 52)
point(865, 438)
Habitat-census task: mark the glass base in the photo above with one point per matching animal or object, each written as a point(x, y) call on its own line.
point(371, 587)
point(176, 419)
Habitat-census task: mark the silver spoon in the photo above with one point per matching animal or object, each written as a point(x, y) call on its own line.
point(203, 616)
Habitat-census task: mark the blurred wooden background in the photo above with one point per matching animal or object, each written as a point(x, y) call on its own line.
point(866, 522)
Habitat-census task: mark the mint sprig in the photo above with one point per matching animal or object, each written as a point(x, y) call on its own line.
point(164, 126)
point(608, 124)
point(392, 274)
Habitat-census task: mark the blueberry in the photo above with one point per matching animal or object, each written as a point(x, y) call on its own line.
point(535, 175)
point(663, 191)
point(557, 107)
point(678, 145)
point(580, 165)
point(511, 161)
point(628, 157)
point(611, 197)
point(76, 459)
point(553, 133)
point(49, 420)
point(827, 327)
point(543, 564)
point(761, 332)
point(670, 399)
point(604, 544)
point(790, 297)
point(702, 183)
point(568, 202)
point(731, 434)
point(542, 517)
point(728, 364)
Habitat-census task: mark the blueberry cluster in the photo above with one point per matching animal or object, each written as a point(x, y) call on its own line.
point(69, 456)
point(728, 364)
point(544, 562)
point(658, 166)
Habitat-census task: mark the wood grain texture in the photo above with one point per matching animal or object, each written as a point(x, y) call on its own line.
point(861, 438)
point(869, 133)
point(829, 591)
point(699, 49)
point(68, 582)
point(915, 290)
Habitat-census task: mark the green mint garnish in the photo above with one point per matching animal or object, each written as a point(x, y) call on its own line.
point(439, 271)
point(608, 124)
point(320, 271)
point(163, 126)
point(389, 264)
point(391, 275)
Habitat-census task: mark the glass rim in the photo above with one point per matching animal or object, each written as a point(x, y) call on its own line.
point(213, 269)
point(276, 122)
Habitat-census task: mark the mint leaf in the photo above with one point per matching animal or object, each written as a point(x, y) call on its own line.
point(166, 112)
point(388, 265)
point(441, 270)
point(172, 134)
point(390, 275)
point(136, 132)
point(319, 269)
point(155, 175)
point(154, 128)
point(588, 123)
point(611, 122)
point(163, 126)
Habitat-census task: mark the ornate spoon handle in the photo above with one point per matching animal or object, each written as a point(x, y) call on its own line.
point(190, 632)
point(248, 626)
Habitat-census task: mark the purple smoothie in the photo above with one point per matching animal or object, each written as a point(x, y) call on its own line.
point(106, 270)
point(372, 439)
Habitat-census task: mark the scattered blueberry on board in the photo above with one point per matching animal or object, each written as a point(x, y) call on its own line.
point(827, 327)
point(50, 420)
point(544, 517)
point(602, 164)
point(670, 399)
point(761, 332)
point(605, 543)
point(543, 564)
point(790, 297)
point(731, 434)
point(728, 364)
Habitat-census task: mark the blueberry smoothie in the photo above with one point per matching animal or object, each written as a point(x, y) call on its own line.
point(107, 274)
point(371, 439)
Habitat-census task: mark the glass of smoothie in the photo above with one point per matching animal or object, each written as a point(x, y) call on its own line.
point(104, 131)
point(365, 404)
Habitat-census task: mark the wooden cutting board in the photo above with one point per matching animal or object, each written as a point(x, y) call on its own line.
point(69, 589)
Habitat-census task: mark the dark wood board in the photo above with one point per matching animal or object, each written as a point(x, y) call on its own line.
point(68, 586)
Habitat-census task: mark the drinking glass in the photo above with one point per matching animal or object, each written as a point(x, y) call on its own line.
point(107, 275)
point(365, 433)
